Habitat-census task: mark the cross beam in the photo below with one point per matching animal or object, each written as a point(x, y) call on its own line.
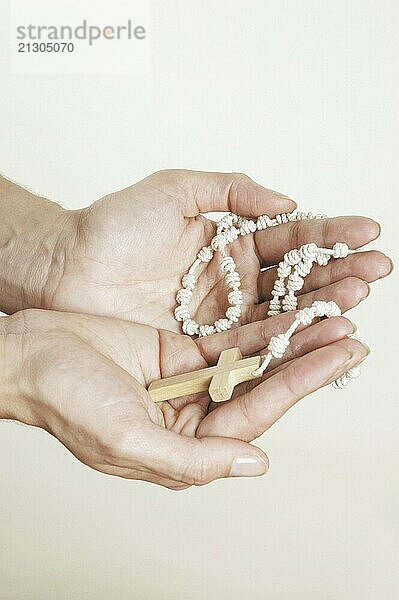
point(219, 380)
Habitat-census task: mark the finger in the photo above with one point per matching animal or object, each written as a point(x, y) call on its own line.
point(190, 461)
point(274, 242)
point(249, 415)
point(368, 266)
point(347, 293)
point(305, 340)
point(235, 192)
point(311, 338)
point(254, 337)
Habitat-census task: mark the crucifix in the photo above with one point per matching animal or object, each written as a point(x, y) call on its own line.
point(219, 380)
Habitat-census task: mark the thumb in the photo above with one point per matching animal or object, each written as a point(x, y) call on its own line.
point(198, 462)
point(235, 192)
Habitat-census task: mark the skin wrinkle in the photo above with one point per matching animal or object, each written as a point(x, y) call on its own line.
point(43, 296)
point(130, 316)
point(114, 352)
point(107, 355)
point(238, 190)
point(254, 426)
point(229, 194)
point(171, 197)
point(132, 352)
point(170, 358)
point(58, 250)
point(84, 231)
point(133, 283)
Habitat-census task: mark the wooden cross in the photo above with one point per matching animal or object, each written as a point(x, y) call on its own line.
point(219, 380)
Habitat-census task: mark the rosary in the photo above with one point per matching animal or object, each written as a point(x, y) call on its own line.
point(231, 368)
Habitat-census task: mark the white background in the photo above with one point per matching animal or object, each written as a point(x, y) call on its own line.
point(301, 95)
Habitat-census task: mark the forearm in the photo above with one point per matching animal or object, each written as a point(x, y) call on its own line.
point(32, 231)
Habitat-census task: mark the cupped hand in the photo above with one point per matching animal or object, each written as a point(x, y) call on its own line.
point(128, 251)
point(84, 378)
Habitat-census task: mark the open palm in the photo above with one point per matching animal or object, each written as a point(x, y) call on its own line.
point(130, 249)
point(83, 379)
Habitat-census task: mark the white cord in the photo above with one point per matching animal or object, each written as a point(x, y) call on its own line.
point(292, 271)
point(278, 344)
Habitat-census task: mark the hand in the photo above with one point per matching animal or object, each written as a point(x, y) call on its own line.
point(125, 255)
point(84, 379)
point(127, 252)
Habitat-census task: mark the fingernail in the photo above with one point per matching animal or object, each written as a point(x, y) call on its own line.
point(368, 291)
point(280, 194)
point(385, 266)
point(367, 348)
point(248, 466)
point(354, 327)
point(348, 360)
point(374, 229)
point(284, 197)
point(344, 365)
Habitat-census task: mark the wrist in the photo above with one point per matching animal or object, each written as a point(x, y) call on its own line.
point(17, 394)
point(34, 238)
point(52, 259)
point(9, 366)
point(23, 368)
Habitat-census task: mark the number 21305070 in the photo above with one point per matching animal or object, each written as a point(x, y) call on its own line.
point(46, 47)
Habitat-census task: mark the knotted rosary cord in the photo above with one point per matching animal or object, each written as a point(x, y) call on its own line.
point(278, 344)
point(296, 265)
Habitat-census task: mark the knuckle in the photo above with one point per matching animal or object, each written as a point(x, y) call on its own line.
point(200, 475)
point(295, 234)
point(239, 177)
point(293, 381)
point(265, 332)
point(335, 269)
point(233, 338)
point(238, 190)
point(197, 474)
point(168, 177)
point(162, 173)
point(327, 230)
point(255, 425)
